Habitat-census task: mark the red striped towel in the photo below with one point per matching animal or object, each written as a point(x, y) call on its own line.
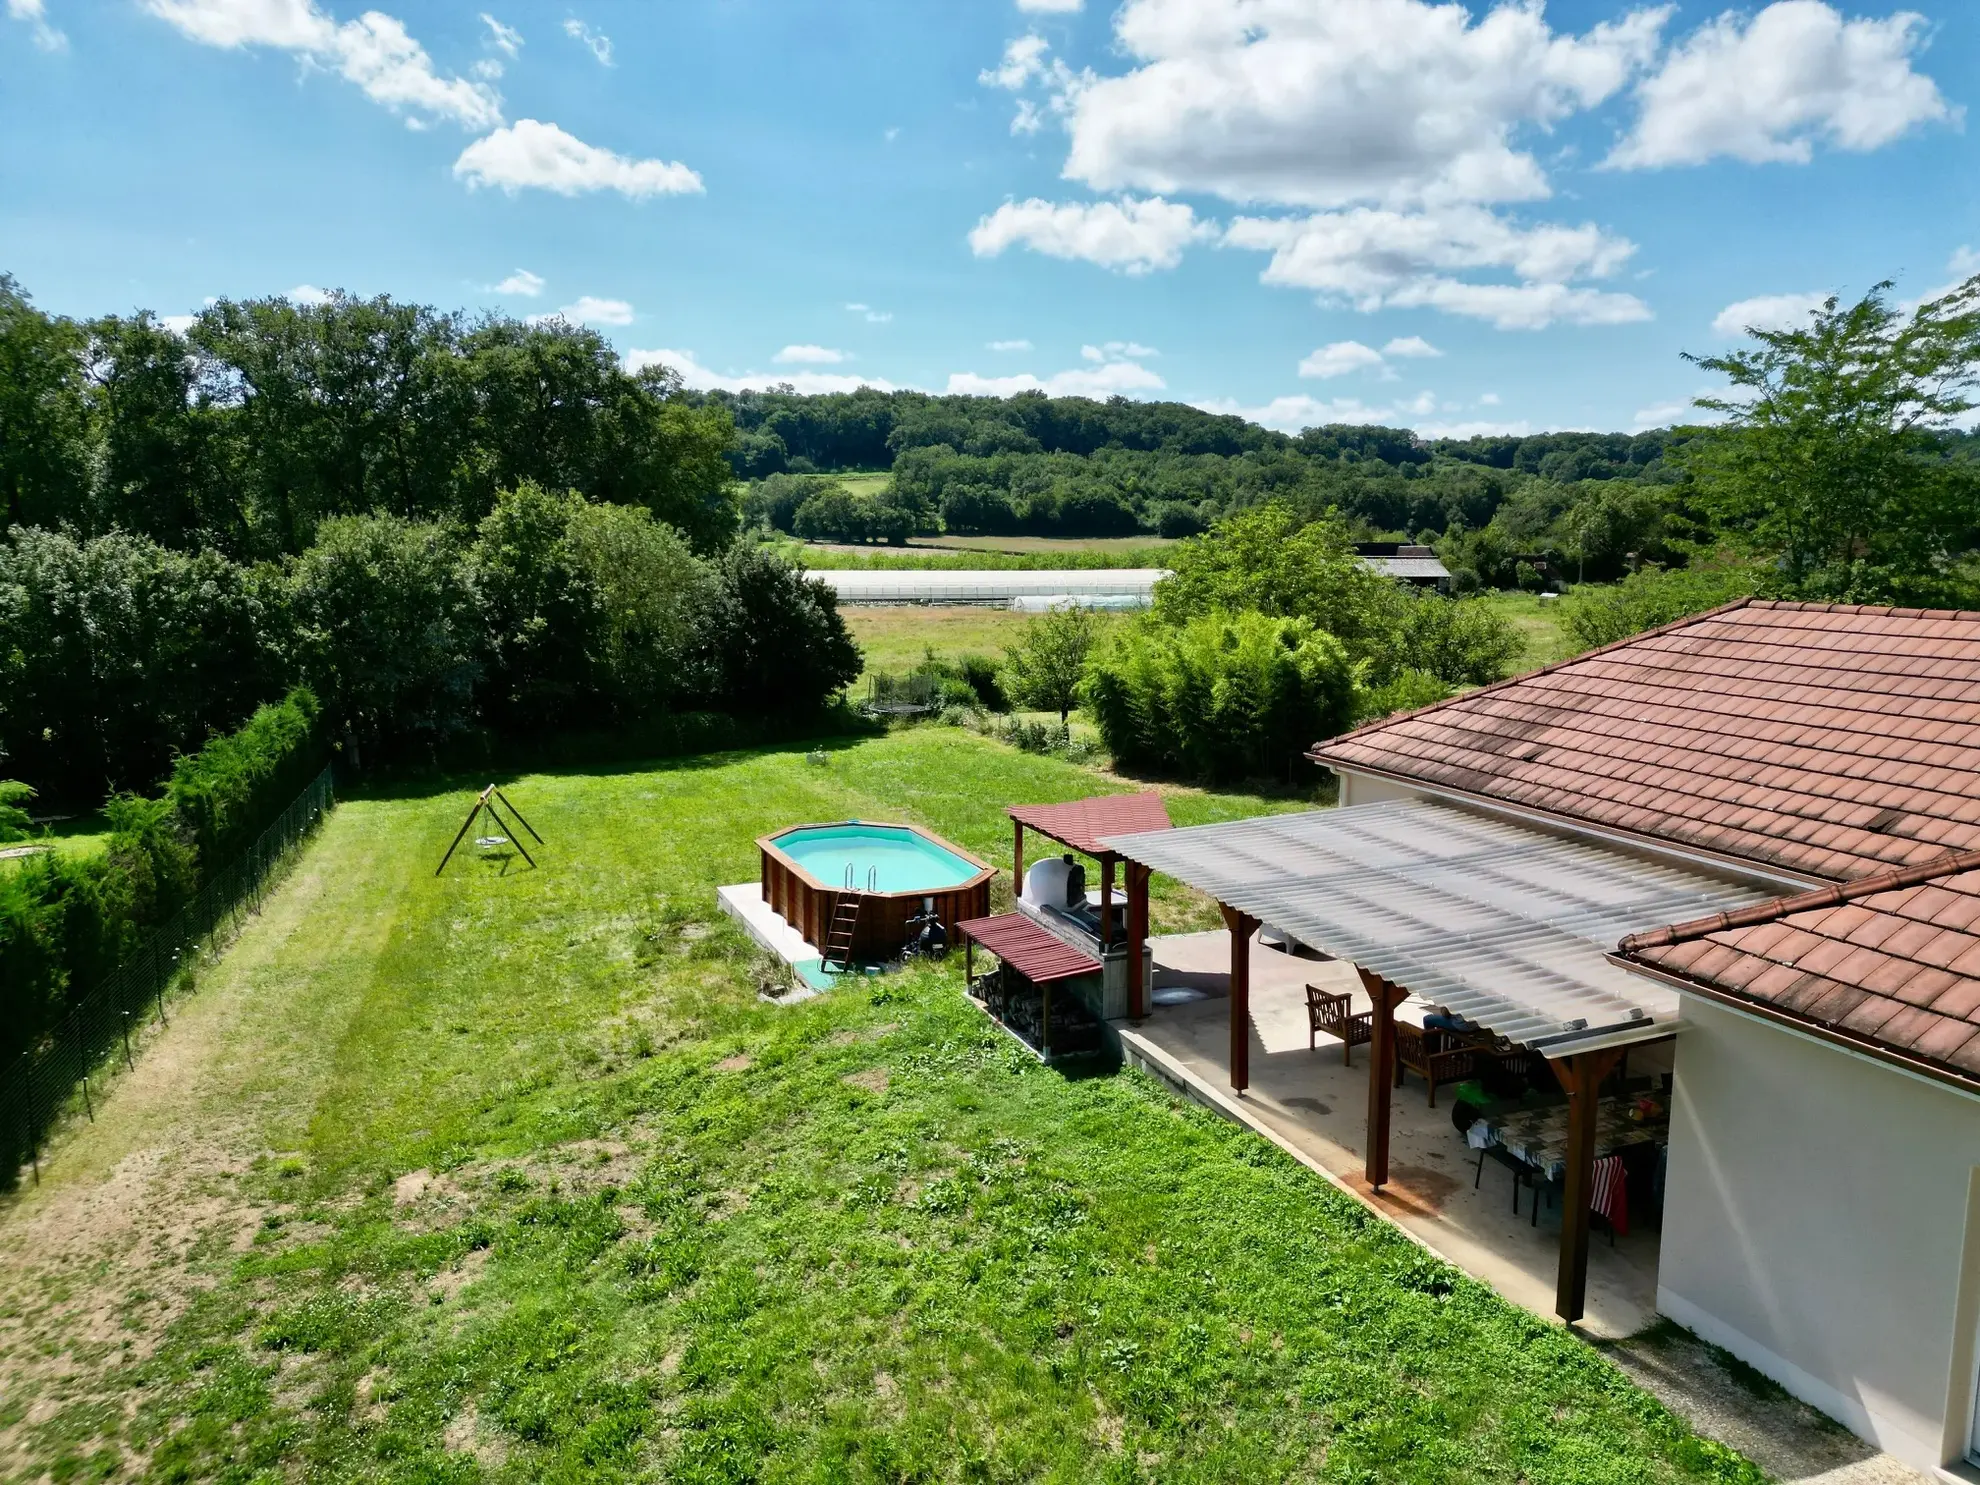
point(1608, 1193)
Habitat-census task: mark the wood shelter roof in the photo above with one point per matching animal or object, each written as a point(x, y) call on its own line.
point(1890, 961)
point(1039, 956)
point(1080, 823)
point(1835, 741)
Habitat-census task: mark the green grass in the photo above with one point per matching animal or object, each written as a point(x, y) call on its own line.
point(896, 637)
point(677, 1233)
point(1539, 625)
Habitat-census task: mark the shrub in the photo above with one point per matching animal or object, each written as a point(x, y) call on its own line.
point(1405, 692)
point(1220, 697)
point(1646, 599)
point(1048, 663)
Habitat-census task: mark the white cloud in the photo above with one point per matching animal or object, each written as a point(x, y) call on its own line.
point(35, 14)
point(1963, 265)
point(1024, 59)
point(1769, 87)
point(1341, 358)
point(1396, 101)
point(308, 295)
point(1768, 312)
point(590, 310)
point(1118, 350)
point(178, 324)
point(1476, 428)
point(1135, 235)
point(1111, 379)
point(872, 316)
point(1009, 345)
point(703, 379)
point(1297, 411)
point(521, 282)
point(528, 153)
point(1410, 347)
point(1488, 399)
point(1375, 258)
point(599, 43)
point(1050, 7)
point(374, 51)
point(811, 355)
point(1662, 415)
point(506, 38)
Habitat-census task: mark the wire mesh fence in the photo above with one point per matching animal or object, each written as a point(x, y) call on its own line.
point(62, 1073)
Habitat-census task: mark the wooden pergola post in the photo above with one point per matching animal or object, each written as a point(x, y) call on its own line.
point(1137, 938)
point(1241, 925)
point(1385, 996)
point(1106, 900)
point(1581, 1075)
point(1017, 858)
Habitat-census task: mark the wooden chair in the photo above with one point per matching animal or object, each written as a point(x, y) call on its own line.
point(1426, 1051)
point(1330, 1013)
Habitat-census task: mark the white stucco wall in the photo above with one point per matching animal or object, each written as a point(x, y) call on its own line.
point(1816, 1225)
point(1361, 788)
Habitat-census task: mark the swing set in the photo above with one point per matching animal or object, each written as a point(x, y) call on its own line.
point(486, 801)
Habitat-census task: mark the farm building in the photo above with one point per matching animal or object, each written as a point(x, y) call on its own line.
point(1686, 931)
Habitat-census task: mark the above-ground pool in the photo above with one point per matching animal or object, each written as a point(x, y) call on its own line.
point(890, 869)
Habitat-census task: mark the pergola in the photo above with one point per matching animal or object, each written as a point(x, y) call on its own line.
point(1079, 824)
point(1507, 926)
point(1040, 957)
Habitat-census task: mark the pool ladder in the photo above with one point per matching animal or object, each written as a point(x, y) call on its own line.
point(845, 919)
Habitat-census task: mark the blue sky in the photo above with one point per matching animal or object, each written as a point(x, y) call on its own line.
point(1451, 218)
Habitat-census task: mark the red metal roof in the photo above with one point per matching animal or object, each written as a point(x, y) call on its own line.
point(1080, 823)
point(1891, 961)
point(1031, 951)
point(1834, 740)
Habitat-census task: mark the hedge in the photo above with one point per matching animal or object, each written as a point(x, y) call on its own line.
point(66, 922)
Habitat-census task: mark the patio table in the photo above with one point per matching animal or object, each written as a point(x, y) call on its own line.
point(1540, 1136)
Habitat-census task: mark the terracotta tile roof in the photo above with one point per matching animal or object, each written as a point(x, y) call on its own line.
point(1832, 740)
point(1037, 955)
point(1080, 823)
point(1889, 962)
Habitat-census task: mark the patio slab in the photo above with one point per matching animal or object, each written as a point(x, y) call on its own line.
point(1310, 1103)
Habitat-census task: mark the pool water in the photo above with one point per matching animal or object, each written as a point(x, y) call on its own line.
point(901, 860)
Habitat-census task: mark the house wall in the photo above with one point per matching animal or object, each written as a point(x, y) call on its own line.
point(1817, 1225)
point(1361, 788)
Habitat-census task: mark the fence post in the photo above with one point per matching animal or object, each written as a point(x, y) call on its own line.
point(82, 1061)
point(129, 1064)
point(34, 1124)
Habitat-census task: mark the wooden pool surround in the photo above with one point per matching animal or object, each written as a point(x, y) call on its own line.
point(807, 904)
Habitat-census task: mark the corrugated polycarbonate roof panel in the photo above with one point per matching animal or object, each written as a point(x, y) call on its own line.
point(977, 585)
point(1507, 926)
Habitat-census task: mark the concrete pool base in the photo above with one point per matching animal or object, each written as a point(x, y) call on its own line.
point(763, 923)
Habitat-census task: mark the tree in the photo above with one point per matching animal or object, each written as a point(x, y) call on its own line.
point(385, 629)
point(1048, 662)
point(541, 613)
point(651, 591)
point(1275, 561)
point(44, 452)
point(773, 638)
point(1835, 457)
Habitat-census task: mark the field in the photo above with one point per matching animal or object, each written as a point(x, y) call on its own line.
point(896, 637)
point(510, 1175)
point(1539, 624)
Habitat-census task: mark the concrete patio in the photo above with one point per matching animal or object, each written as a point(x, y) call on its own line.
point(1313, 1105)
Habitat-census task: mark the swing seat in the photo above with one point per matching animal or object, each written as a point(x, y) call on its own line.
point(486, 842)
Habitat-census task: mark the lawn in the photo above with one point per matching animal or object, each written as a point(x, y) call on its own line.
point(511, 1175)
